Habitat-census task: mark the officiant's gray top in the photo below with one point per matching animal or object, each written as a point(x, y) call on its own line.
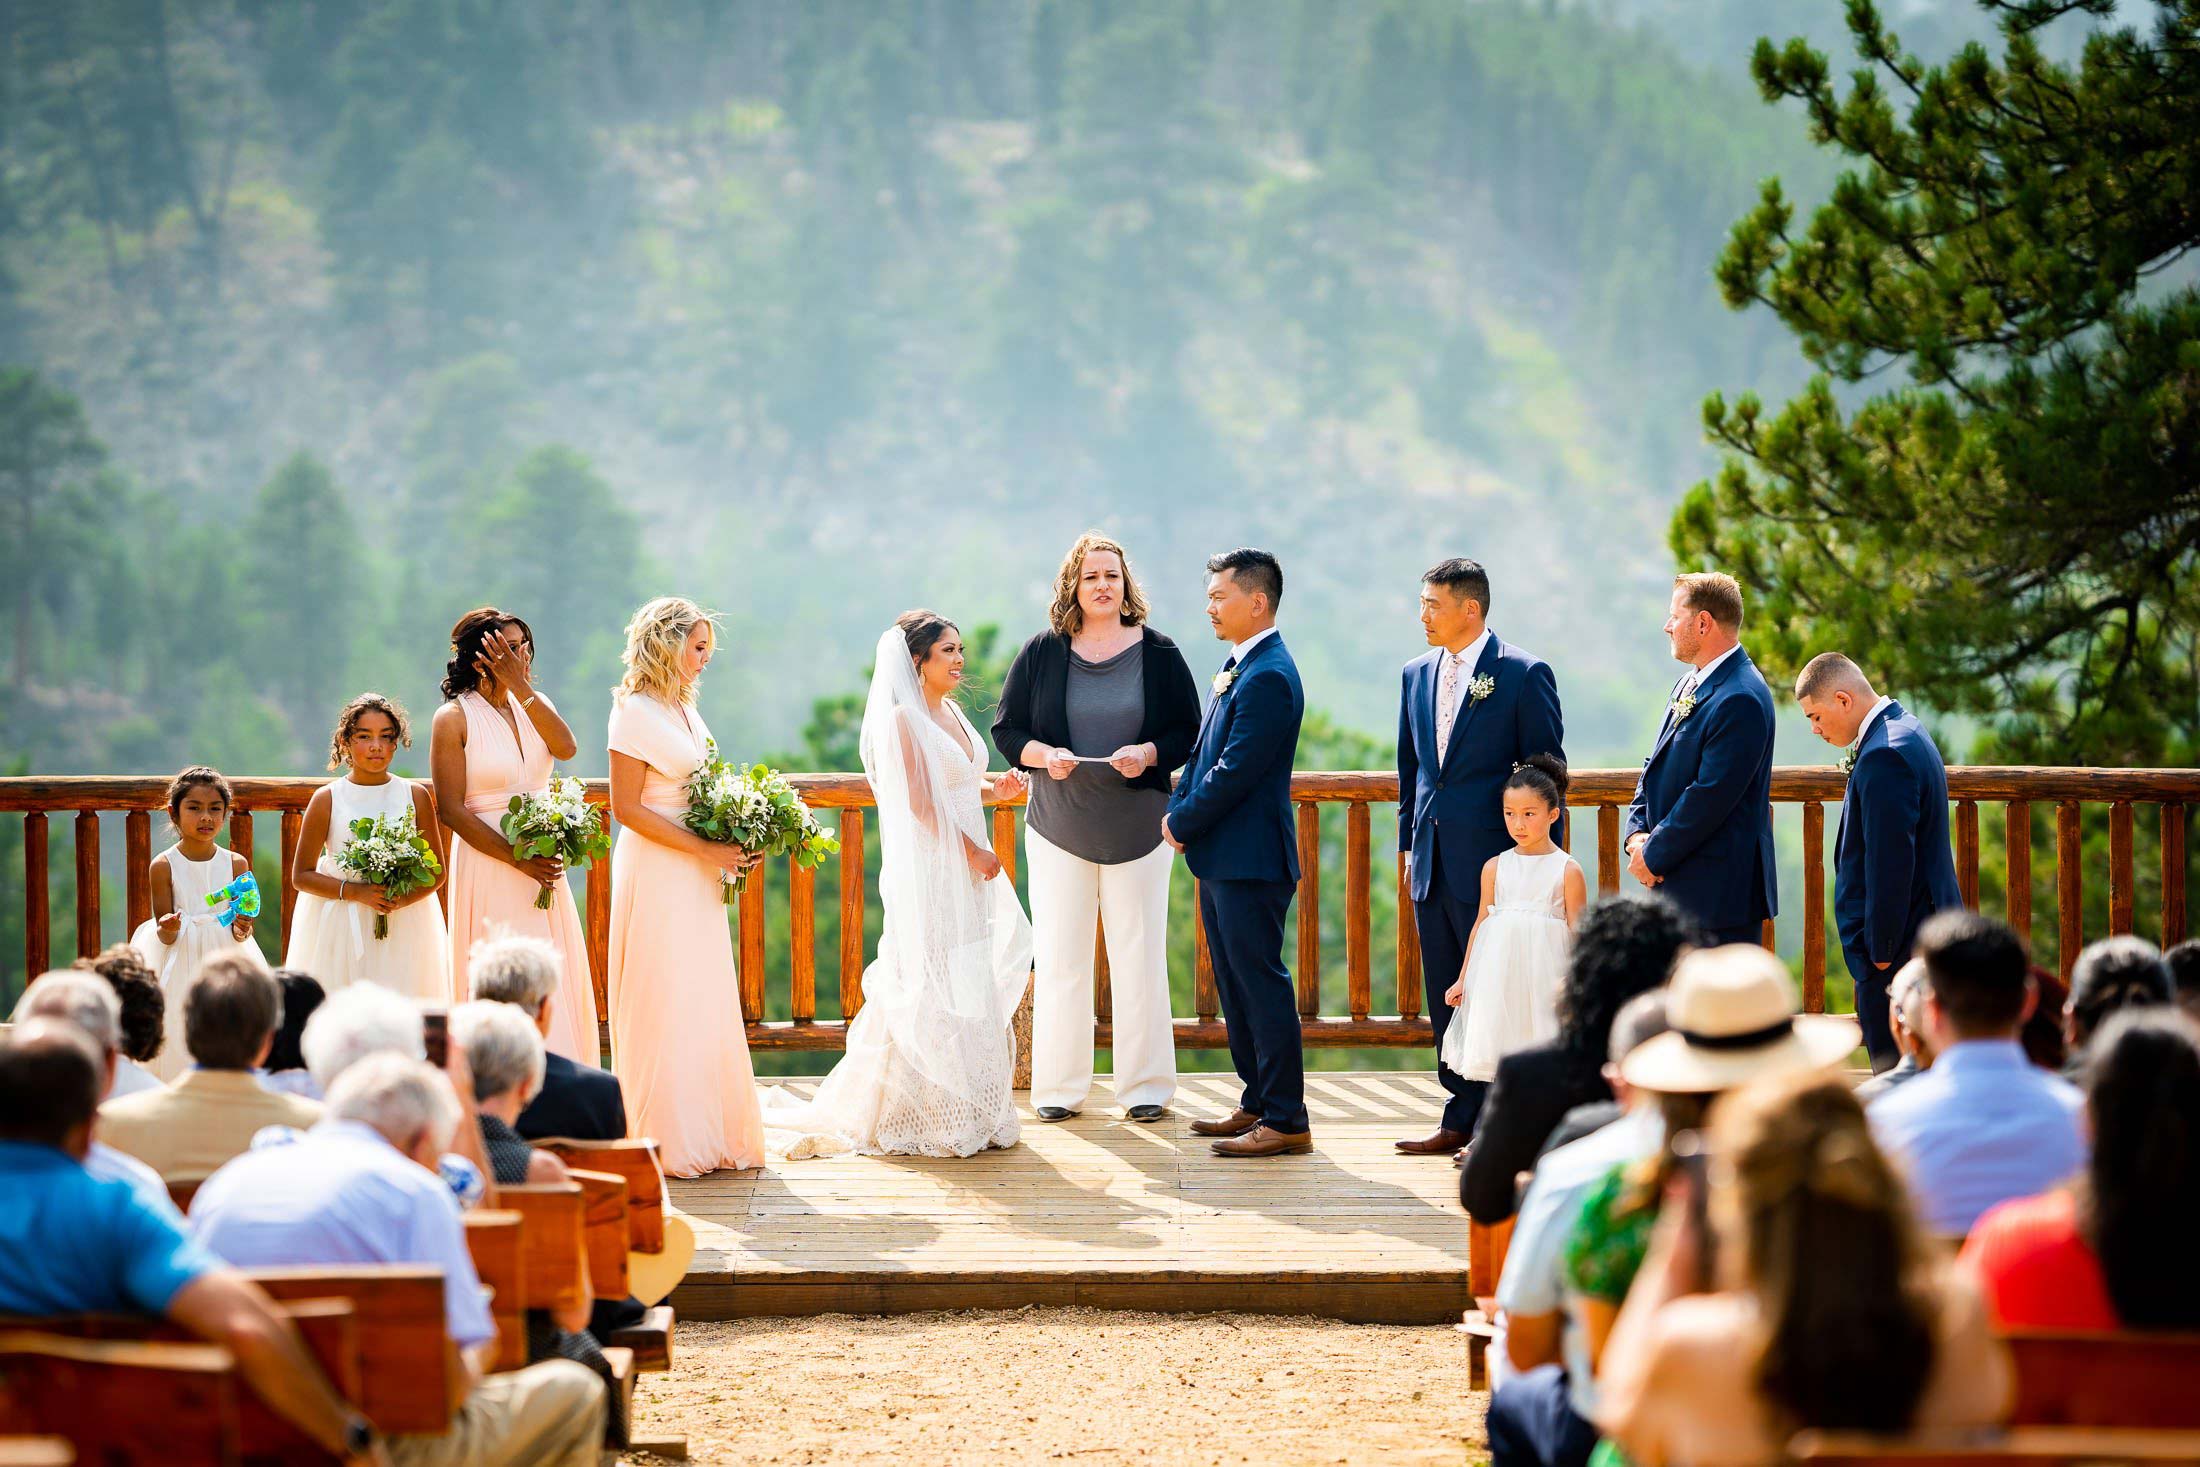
point(1095, 814)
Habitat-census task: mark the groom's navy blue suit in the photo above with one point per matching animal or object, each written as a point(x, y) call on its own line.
point(1705, 797)
point(1892, 867)
point(1232, 814)
point(1453, 804)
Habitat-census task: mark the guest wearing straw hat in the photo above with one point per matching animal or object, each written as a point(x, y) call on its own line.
point(1732, 1017)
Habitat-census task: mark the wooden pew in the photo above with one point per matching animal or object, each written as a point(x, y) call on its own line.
point(403, 1337)
point(604, 1230)
point(497, 1241)
point(36, 1451)
point(635, 1160)
point(553, 1222)
point(2134, 1378)
point(1486, 1244)
point(123, 1401)
point(2034, 1446)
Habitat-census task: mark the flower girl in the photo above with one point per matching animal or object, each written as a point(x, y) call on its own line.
point(185, 930)
point(334, 928)
point(1516, 958)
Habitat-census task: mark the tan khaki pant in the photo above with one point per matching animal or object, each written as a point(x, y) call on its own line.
point(548, 1415)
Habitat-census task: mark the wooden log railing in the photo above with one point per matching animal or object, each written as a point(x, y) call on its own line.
point(846, 797)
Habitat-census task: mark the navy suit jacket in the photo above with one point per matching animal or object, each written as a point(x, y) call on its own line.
point(1232, 809)
point(1705, 797)
point(1892, 863)
point(1455, 798)
point(577, 1101)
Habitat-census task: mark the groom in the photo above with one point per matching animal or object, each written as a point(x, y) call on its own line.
point(1231, 817)
point(1469, 712)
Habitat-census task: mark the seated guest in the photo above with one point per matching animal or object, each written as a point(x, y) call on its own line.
point(1837, 1314)
point(1984, 1124)
point(89, 1002)
point(1640, 1020)
point(2183, 962)
point(1622, 947)
point(285, 1069)
point(2042, 1033)
point(1732, 1016)
point(73, 1243)
point(2113, 974)
point(577, 1101)
point(361, 1187)
point(367, 1019)
point(187, 1129)
point(1906, 1016)
point(144, 1014)
point(504, 1051)
point(2111, 1250)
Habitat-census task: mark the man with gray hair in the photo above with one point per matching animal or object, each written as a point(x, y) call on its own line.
point(211, 1111)
point(367, 1019)
point(91, 1003)
point(575, 1100)
point(361, 1187)
point(1906, 1007)
point(1892, 864)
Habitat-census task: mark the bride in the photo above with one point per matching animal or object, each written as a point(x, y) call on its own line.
point(930, 1058)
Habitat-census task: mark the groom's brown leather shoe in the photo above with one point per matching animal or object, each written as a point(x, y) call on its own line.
point(1261, 1141)
point(1236, 1123)
point(1443, 1143)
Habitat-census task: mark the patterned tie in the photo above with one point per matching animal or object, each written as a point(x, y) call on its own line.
point(1447, 701)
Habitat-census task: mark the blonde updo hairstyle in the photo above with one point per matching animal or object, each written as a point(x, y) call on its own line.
point(654, 639)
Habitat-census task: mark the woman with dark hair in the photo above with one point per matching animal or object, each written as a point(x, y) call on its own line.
point(284, 1068)
point(494, 738)
point(1624, 945)
point(1829, 1309)
point(2111, 975)
point(2110, 1251)
point(931, 1059)
point(144, 1015)
point(1107, 707)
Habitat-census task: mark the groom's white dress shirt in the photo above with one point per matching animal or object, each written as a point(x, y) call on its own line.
point(1238, 650)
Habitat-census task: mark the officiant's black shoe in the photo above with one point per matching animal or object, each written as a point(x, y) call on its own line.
point(1261, 1141)
point(1054, 1113)
point(1236, 1123)
point(1146, 1115)
point(1443, 1143)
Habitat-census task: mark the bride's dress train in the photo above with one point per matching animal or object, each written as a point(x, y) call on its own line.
point(931, 1058)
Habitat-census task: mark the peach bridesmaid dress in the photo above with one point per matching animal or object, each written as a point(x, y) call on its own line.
point(678, 1043)
point(487, 894)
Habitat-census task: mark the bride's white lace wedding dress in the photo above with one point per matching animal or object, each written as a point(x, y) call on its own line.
point(930, 1058)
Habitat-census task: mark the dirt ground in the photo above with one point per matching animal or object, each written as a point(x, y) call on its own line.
point(1065, 1385)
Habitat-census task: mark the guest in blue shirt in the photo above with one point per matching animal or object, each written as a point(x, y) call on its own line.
point(362, 1187)
point(1984, 1124)
point(73, 1243)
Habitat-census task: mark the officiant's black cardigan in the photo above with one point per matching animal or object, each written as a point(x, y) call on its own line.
point(1035, 698)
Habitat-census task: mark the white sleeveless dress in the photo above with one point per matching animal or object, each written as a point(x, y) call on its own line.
point(1517, 969)
point(334, 941)
point(201, 936)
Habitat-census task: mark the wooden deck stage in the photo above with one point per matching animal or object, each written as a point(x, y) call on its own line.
point(1103, 1213)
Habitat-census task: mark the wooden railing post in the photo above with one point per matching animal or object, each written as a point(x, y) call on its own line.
point(37, 898)
point(751, 908)
point(802, 940)
point(293, 825)
point(1310, 910)
point(2069, 887)
point(851, 911)
point(87, 883)
point(1608, 863)
point(1409, 945)
point(1814, 907)
point(597, 929)
point(1967, 851)
point(2173, 874)
point(2119, 867)
point(2017, 846)
point(1204, 1005)
point(137, 874)
point(1357, 918)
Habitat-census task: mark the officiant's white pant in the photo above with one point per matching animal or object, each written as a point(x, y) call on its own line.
point(1131, 901)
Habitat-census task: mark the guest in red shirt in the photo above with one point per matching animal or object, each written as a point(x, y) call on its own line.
point(2111, 1251)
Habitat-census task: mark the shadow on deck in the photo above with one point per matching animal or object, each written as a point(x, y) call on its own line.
point(1103, 1213)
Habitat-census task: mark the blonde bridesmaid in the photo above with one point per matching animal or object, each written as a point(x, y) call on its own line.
point(678, 1042)
point(494, 738)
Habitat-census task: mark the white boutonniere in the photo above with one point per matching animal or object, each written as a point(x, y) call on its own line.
point(1684, 705)
point(1222, 681)
point(1848, 760)
point(1480, 687)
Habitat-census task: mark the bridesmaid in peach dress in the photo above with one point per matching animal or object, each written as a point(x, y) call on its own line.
point(678, 1043)
point(493, 739)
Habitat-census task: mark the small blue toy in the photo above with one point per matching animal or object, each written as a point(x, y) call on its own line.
point(243, 897)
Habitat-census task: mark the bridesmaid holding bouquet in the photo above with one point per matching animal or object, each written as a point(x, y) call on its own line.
point(680, 1047)
point(493, 738)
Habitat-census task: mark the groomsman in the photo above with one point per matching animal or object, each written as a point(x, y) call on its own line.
point(1700, 829)
point(1470, 710)
point(1892, 866)
point(1231, 817)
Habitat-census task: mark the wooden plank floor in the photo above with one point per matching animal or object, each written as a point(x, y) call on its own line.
point(1103, 1213)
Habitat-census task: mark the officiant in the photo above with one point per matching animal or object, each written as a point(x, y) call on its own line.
point(1106, 706)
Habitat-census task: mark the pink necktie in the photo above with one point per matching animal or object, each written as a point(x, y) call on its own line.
point(1447, 702)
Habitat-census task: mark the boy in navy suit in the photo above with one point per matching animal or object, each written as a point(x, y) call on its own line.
point(1231, 817)
point(1892, 866)
point(1470, 710)
point(1700, 829)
